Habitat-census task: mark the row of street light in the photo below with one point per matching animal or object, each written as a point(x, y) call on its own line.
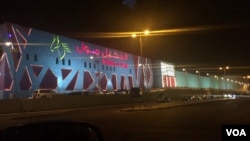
point(224, 73)
point(146, 32)
point(217, 77)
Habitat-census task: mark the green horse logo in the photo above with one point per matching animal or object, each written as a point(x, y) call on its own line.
point(61, 48)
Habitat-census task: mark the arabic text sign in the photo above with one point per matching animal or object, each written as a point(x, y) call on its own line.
point(109, 57)
point(85, 48)
point(112, 63)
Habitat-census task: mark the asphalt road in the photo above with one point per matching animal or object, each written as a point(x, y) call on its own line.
point(200, 122)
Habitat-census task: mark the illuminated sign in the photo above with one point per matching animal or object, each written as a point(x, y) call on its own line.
point(167, 69)
point(112, 63)
point(115, 55)
point(85, 48)
point(108, 56)
point(61, 48)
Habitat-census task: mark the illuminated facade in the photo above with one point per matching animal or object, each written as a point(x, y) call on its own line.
point(34, 59)
point(164, 74)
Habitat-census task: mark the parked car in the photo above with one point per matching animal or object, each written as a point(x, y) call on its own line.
point(135, 92)
point(163, 99)
point(207, 96)
point(121, 92)
point(43, 93)
point(187, 98)
point(196, 97)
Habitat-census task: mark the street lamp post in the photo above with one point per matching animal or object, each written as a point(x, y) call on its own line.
point(224, 73)
point(199, 74)
point(217, 78)
point(246, 81)
point(186, 73)
point(208, 75)
point(146, 32)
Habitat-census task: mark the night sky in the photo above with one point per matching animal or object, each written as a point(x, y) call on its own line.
point(223, 38)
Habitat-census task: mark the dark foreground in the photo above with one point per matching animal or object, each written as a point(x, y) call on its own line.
point(200, 122)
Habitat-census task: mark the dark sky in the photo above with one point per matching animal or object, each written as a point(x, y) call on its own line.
point(223, 38)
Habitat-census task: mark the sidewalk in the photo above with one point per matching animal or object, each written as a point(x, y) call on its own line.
point(176, 103)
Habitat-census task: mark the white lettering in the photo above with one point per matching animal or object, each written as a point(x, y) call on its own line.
point(229, 132)
point(243, 133)
point(236, 132)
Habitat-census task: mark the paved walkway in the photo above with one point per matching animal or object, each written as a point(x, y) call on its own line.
point(155, 106)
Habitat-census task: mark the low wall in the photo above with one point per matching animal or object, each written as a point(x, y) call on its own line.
point(69, 101)
point(78, 101)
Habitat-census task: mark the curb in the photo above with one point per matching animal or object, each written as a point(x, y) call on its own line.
point(63, 110)
point(168, 105)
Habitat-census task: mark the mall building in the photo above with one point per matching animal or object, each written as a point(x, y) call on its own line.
point(33, 59)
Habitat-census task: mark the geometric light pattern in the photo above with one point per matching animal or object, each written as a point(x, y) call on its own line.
point(130, 81)
point(8, 79)
point(17, 51)
point(87, 80)
point(65, 72)
point(142, 78)
point(103, 82)
point(36, 69)
point(169, 81)
point(149, 75)
point(122, 85)
point(29, 66)
point(25, 83)
point(72, 83)
point(114, 81)
point(49, 81)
